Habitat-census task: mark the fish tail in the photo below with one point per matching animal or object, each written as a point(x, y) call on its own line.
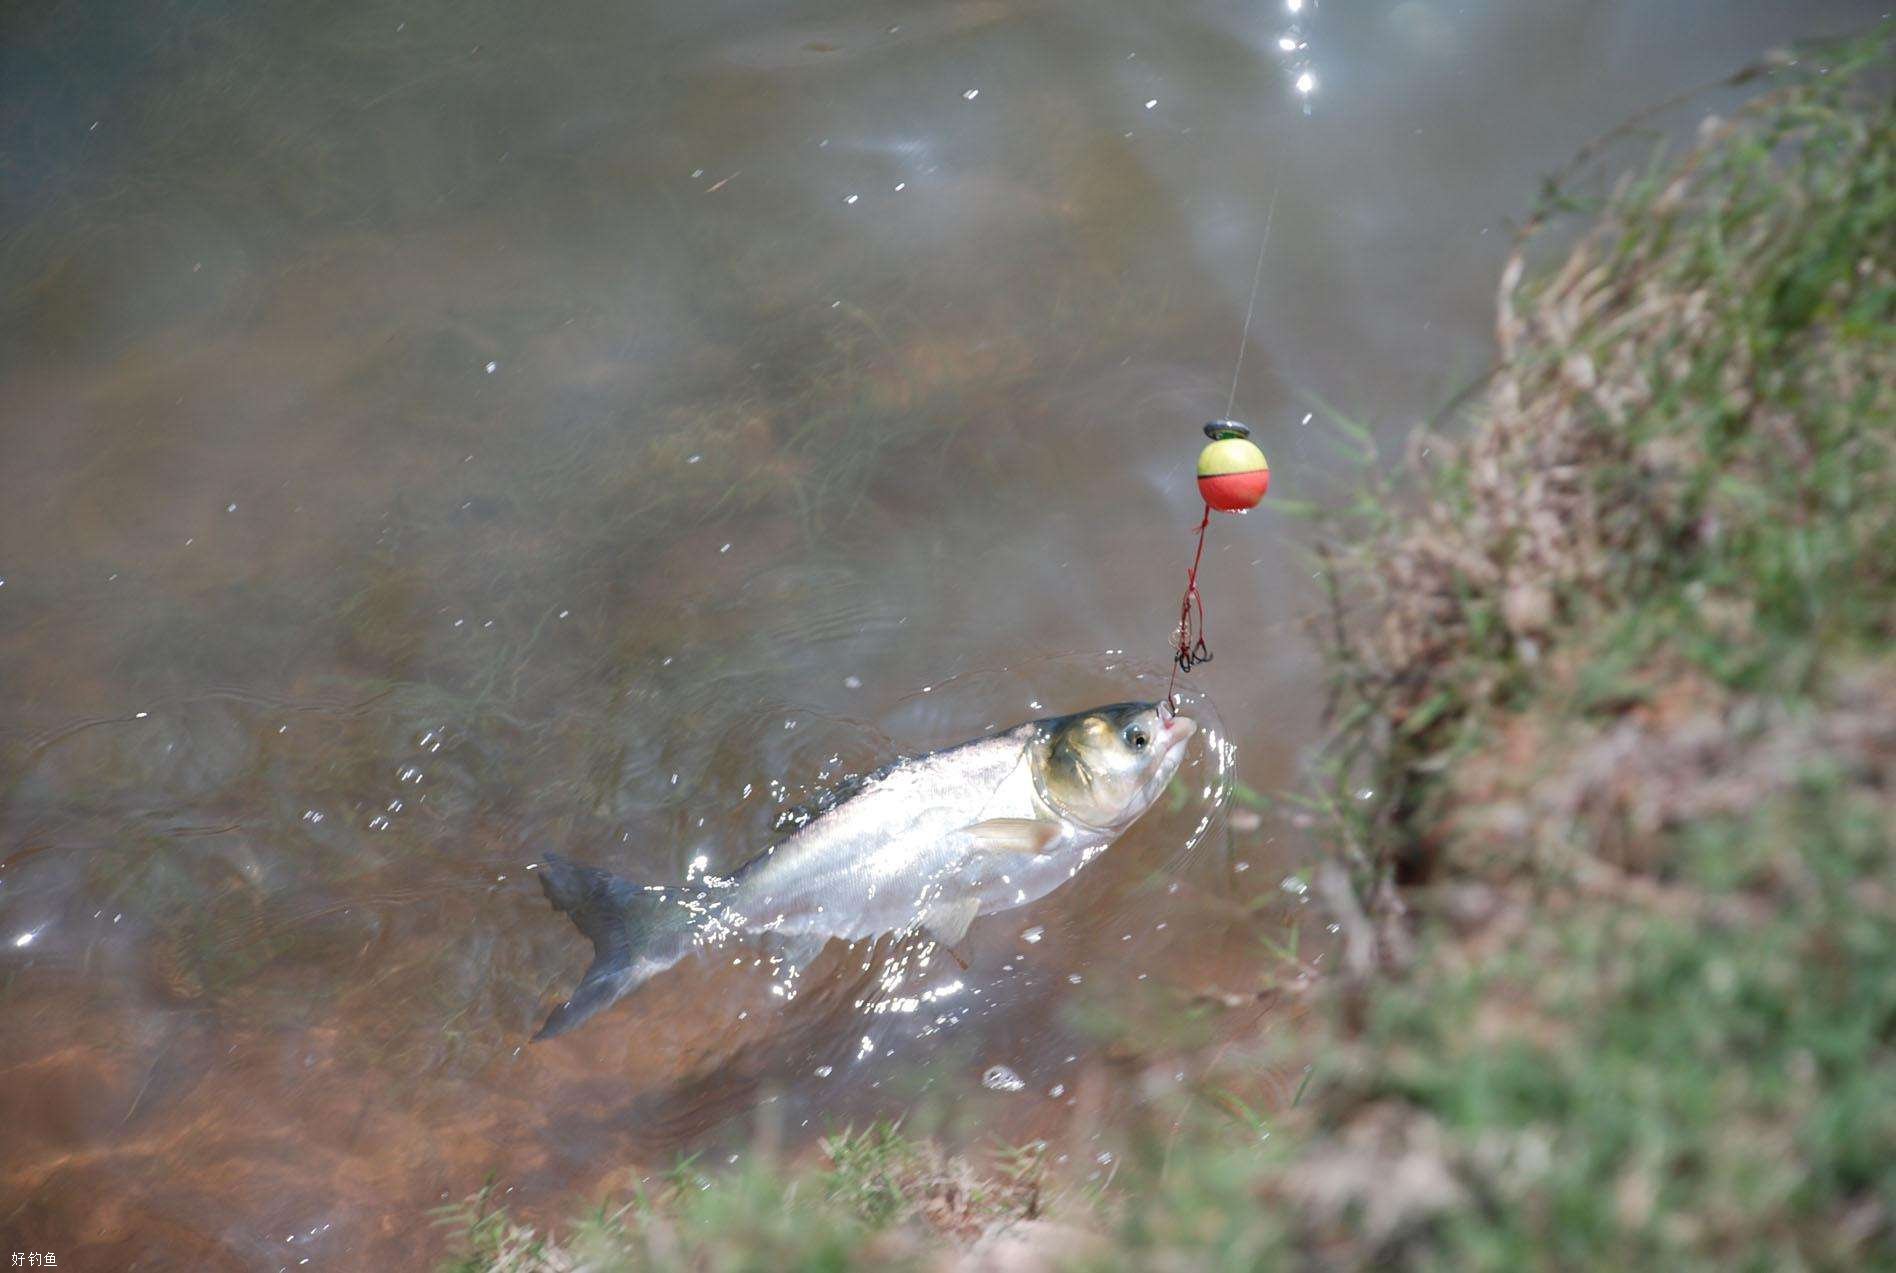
point(635, 932)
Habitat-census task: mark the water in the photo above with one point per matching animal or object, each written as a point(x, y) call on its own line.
point(437, 433)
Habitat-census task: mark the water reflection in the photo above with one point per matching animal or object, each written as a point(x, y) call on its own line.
point(435, 434)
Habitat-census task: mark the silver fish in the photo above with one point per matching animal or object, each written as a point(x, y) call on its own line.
point(921, 847)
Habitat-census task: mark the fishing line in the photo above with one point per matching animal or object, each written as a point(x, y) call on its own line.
point(1232, 477)
point(1257, 276)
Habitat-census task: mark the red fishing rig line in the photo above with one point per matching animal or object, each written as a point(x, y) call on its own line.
point(1232, 477)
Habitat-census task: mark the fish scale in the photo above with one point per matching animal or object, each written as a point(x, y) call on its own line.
point(898, 829)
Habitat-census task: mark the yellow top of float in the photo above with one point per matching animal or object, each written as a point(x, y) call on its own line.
point(1230, 455)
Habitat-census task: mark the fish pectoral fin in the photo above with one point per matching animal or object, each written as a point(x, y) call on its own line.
point(947, 922)
point(1013, 835)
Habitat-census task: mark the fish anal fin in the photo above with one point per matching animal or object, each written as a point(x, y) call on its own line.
point(1013, 835)
point(796, 950)
point(947, 922)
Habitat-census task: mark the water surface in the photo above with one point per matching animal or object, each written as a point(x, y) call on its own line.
point(434, 433)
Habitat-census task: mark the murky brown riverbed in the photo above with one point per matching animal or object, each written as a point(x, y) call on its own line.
point(434, 434)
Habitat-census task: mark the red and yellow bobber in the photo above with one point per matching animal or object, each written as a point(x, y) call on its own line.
point(1232, 473)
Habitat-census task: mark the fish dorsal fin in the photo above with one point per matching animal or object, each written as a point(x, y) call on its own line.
point(1013, 835)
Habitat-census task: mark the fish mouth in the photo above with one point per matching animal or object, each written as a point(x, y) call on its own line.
point(1176, 732)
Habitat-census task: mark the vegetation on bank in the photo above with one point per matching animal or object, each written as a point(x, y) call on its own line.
point(1612, 790)
point(1619, 701)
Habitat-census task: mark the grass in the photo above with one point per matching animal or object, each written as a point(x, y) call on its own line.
point(1609, 790)
point(878, 1198)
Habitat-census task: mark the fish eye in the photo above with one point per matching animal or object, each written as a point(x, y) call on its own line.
point(1135, 738)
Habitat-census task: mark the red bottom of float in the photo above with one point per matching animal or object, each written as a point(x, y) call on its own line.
point(1235, 492)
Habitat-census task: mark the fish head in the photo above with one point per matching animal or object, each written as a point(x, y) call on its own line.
point(1103, 768)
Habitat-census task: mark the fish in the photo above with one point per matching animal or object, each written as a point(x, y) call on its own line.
point(921, 847)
